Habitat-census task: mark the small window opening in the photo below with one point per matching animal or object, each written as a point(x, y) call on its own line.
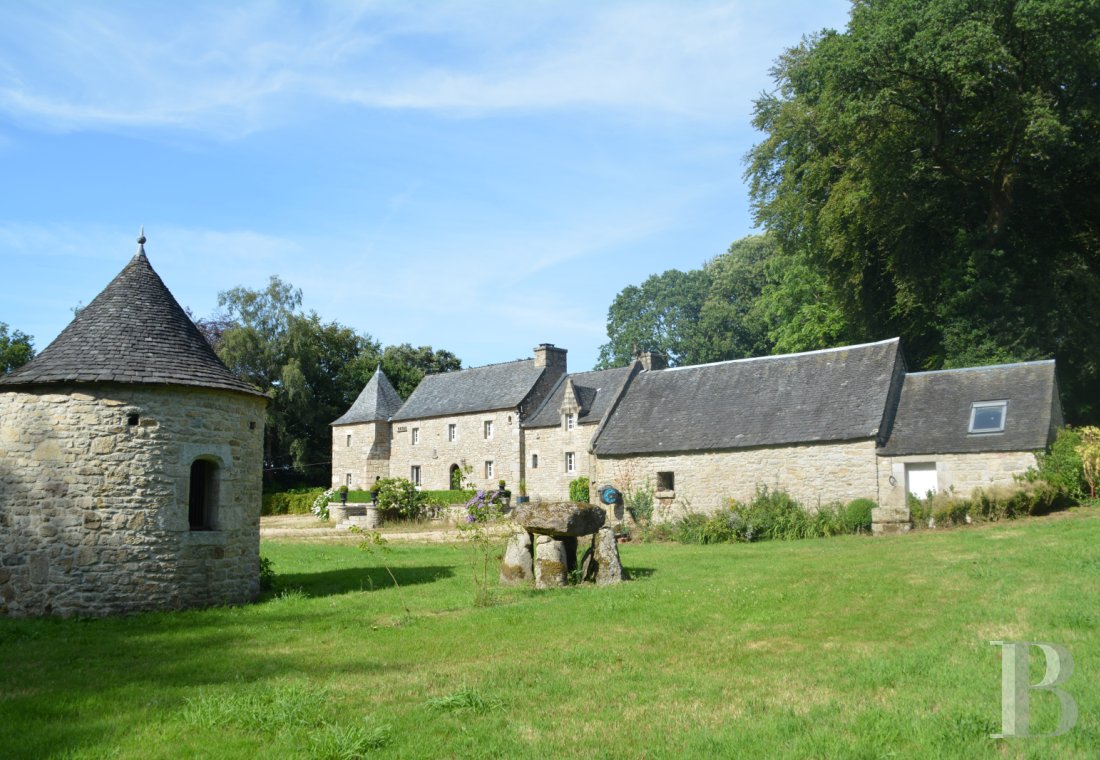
point(347, 480)
point(534, 461)
point(202, 497)
point(252, 425)
point(349, 441)
point(488, 469)
point(666, 481)
point(132, 420)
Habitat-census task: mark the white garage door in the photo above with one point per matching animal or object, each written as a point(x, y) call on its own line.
point(921, 478)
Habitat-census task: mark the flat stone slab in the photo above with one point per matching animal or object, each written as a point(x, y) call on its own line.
point(560, 519)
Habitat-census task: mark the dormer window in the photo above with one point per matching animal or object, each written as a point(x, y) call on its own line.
point(988, 416)
point(570, 421)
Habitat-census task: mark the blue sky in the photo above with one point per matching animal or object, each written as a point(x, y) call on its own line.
point(474, 176)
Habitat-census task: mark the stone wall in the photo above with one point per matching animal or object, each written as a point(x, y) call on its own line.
point(550, 480)
point(435, 455)
point(361, 450)
point(94, 485)
point(960, 472)
point(813, 474)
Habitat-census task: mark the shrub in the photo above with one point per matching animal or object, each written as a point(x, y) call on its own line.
point(446, 498)
point(579, 490)
point(1061, 466)
point(1089, 451)
point(297, 501)
point(1035, 497)
point(857, 516)
point(640, 503)
point(398, 497)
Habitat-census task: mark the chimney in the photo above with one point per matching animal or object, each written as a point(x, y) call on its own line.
point(548, 355)
point(651, 360)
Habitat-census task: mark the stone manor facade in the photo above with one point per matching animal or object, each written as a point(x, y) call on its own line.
point(830, 425)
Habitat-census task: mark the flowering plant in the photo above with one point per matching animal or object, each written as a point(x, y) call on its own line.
point(481, 511)
point(320, 504)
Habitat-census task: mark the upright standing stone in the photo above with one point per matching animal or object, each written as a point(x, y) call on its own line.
point(601, 563)
point(551, 566)
point(517, 565)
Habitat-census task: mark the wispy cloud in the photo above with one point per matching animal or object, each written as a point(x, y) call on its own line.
point(230, 70)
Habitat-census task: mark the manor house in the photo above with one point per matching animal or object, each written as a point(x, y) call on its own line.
point(829, 425)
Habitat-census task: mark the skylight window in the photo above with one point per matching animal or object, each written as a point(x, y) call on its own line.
point(988, 416)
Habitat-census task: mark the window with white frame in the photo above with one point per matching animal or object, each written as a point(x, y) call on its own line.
point(570, 461)
point(415, 436)
point(414, 474)
point(489, 469)
point(988, 416)
point(452, 432)
point(570, 421)
point(488, 429)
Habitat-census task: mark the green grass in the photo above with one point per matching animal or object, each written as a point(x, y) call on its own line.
point(831, 648)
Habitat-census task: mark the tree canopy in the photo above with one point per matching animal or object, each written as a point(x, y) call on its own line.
point(16, 349)
point(936, 166)
point(312, 370)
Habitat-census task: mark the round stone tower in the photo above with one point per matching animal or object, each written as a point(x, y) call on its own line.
point(131, 462)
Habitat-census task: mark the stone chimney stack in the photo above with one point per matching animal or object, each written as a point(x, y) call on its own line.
point(550, 356)
point(651, 360)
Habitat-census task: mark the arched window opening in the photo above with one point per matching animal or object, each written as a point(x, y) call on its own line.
point(202, 500)
point(456, 477)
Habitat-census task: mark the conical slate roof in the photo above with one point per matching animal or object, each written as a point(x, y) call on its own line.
point(378, 401)
point(132, 332)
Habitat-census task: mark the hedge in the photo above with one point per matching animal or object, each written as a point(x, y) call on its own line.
point(297, 501)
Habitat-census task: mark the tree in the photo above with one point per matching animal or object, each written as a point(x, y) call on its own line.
point(731, 321)
point(311, 370)
point(936, 165)
point(406, 366)
point(661, 315)
point(16, 349)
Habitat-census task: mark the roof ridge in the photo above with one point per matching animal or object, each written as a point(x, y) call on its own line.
point(982, 368)
point(782, 356)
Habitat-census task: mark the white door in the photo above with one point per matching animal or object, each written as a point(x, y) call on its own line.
point(920, 478)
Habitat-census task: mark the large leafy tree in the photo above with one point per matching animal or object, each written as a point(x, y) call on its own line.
point(662, 314)
point(936, 164)
point(16, 349)
point(311, 370)
point(406, 366)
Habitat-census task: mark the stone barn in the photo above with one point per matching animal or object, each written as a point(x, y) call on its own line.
point(130, 464)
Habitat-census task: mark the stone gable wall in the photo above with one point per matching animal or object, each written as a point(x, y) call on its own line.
point(367, 456)
point(435, 454)
point(550, 481)
point(812, 473)
point(94, 511)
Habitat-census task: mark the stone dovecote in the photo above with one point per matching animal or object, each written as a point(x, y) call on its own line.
point(131, 462)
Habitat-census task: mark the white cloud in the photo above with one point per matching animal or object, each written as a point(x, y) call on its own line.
point(230, 70)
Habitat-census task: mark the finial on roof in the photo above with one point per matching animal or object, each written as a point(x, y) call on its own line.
point(141, 241)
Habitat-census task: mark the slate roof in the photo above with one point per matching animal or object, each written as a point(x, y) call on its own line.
point(933, 413)
point(378, 401)
point(132, 332)
point(594, 392)
point(831, 395)
point(495, 386)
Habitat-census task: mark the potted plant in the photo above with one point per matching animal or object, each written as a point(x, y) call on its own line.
point(374, 489)
point(522, 498)
point(503, 494)
point(343, 494)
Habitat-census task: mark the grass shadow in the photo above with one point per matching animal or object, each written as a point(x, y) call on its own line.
point(343, 581)
point(640, 572)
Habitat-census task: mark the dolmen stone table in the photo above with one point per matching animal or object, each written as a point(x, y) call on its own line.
point(544, 546)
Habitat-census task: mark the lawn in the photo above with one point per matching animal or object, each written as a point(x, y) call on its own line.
point(827, 648)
